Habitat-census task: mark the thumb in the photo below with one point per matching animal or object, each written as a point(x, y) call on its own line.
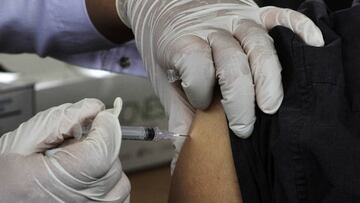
point(105, 135)
point(180, 114)
point(94, 155)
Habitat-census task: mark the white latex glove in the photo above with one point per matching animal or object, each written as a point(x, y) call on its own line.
point(34, 168)
point(209, 42)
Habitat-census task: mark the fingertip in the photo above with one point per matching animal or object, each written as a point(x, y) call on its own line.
point(96, 104)
point(198, 79)
point(105, 118)
point(308, 31)
point(269, 88)
point(271, 105)
point(194, 62)
point(118, 103)
point(296, 21)
point(241, 120)
point(242, 131)
point(79, 115)
point(199, 93)
point(315, 39)
point(89, 107)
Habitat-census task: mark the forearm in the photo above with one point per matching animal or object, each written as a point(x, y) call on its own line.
point(104, 16)
point(205, 169)
point(50, 28)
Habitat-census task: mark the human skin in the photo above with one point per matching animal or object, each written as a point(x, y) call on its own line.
point(205, 170)
point(104, 17)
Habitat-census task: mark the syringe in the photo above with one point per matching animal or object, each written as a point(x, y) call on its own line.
point(147, 134)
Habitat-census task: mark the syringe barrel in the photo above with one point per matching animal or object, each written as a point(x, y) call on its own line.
point(137, 133)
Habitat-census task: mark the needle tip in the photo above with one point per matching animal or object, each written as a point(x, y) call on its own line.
point(179, 135)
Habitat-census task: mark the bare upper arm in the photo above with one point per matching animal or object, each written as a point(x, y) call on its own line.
point(205, 170)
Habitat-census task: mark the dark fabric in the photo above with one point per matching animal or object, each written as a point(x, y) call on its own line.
point(309, 152)
point(294, 4)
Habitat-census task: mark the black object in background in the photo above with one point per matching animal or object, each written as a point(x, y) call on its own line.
point(2, 68)
point(333, 5)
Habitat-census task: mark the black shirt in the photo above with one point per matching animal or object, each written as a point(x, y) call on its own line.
point(310, 150)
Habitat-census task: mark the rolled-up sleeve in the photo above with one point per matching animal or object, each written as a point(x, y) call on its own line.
point(125, 59)
point(62, 29)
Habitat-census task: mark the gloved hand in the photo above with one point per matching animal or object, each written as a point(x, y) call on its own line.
point(34, 168)
point(208, 40)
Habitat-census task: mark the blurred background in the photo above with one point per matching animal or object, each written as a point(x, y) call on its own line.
point(29, 84)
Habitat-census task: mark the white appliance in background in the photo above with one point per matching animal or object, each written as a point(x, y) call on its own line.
point(16, 102)
point(141, 108)
point(57, 83)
